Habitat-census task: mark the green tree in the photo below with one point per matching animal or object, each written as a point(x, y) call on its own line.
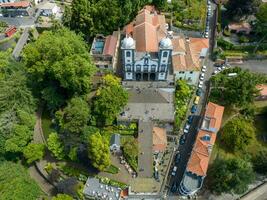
point(33, 152)
point(241, 8)
point(55, 145)
point(130, 151)
point(109, 100)
point(62, 197)
point(238, 91)
point(261, 15)
point(19, 138)
point(231, 175)
point(73, 153)
point(58, 59)
point(237, 134)
point(75, 116)
point(16, 184)
point(259, 161)
point(98, 151)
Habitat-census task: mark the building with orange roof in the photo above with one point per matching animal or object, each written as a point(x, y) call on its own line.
point(262, 92)
point(146, 49)
point(197, 165)
point(104, 51)
point(187, 56)
point(18, 8)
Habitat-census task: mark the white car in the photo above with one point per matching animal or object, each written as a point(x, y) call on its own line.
point(174, 171)
point(204, 68)
point(215, 72)
point(201, 76)
point(219, 69)
point(200, 85)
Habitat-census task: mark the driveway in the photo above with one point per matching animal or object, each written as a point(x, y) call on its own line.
point(259, 66)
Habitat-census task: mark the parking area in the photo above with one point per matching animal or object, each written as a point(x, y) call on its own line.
point(259, 66)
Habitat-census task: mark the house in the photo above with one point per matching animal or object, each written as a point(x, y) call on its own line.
point(115, 143)
point(197, 166)
point(159, 139)
point(7, 1)
point(49, 9)
point(262, 92)
point(10, 31)
point(187, 56)
point(104, 51)
point(13, 9)
point(241, 27)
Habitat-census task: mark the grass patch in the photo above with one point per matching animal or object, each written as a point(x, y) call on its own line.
point(130, 151)
point(112, 169)
point(47, 124)
point(111, 182)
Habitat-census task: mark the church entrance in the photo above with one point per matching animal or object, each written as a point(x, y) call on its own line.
point(138, 76)
point(152, 77)
point(145, 76)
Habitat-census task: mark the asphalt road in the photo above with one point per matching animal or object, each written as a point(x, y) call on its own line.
point(259, 66)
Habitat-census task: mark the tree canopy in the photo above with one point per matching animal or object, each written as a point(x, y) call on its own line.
point(55, 145)
point(110, 99)
point(75, 116)
point(33, 152)
point(230, 175)
point(59, 65)
point(237, 134)
point(241, 8)
point(98, 151)
point(16, 183)
point(238, 90)
point(261, 16)
point(259, 161)
point(62, 197)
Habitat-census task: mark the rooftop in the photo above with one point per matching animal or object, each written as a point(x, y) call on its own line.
point(159, 139)
point(105, 45)
point(262, 89)
point(19, 4)
point(115, 139)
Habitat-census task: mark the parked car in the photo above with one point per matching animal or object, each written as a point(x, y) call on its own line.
point(174, 170)
point(215, 72)
point(201, 77)
point(200, 85)
point(199, 92)
point(186, 128)
point(190, 119)
point(174, 187)
point(194, 109)
point(177, 158)
point(196, 101)
point(219, 69)
point(182, 139)
point(208, 2)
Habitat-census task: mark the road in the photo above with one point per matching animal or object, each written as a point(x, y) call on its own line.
point(185, 149)
point(258, 194)
point(259, 66)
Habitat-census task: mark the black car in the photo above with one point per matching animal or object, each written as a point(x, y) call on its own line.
point(177, 158)
point(174, 187)
point(182, 139)
point(190, 119)
point(199, 92)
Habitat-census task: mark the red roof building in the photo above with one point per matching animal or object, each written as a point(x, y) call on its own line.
point(19, 4)
point(262, 92)
point(10, 31)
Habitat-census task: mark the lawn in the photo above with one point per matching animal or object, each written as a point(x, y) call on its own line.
point(47, 124)
point(112, 169)
point(130, 150)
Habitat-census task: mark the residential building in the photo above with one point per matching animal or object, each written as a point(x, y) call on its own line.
point(7, 1)
point(197, 165)
point(187, 57)
point(115, 145)
point(10, 31)
point(105, 51)
point(146, 48)
point(159, 139)
point(241, 27)
point(49, 9)
point(13, 9)
point(262, 92)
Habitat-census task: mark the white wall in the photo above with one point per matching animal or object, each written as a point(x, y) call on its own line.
point(191, 76)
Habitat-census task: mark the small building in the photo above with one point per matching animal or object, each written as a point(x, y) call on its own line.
point(13, 9)
point(115, 145)
point(159, 139)
point(49, 9)
point(105, 51)
point(7, 1)
point(10, 31)
point(241, 27)
point(262, 92)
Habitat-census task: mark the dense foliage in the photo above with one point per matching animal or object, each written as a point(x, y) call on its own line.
point(182, 94)
point(259, 161)
point(62, 197)
point(242, 8)
point(110, 98)
point(238, 90)
point(237, 134)
point(261, 15)
point(130, 152)
point(16, 184)
point(33, 152)
point(74, 117)
point(59, 65)
point(230, 175)
point(98, 151)
point(55, 145)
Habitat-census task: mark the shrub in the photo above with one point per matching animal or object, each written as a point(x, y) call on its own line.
point(243, 39)
point(226, 32)
point(224, 44)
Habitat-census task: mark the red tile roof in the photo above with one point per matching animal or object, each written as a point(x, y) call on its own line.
point(147, 29)
point(159, 139)
point(263, 89)
point(21, 4)
point(110, 45)
point(199, 159)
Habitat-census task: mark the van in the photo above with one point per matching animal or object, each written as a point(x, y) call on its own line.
point(196, 100)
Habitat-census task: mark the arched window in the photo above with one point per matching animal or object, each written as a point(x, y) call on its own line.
point(128, 54)
point(165, 54)
point(128, 68)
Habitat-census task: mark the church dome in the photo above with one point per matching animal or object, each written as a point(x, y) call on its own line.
point(165, 43)
point(128, 43)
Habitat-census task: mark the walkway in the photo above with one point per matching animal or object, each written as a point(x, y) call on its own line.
point(37, 171)
point(259, 193)
point(21, 43)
